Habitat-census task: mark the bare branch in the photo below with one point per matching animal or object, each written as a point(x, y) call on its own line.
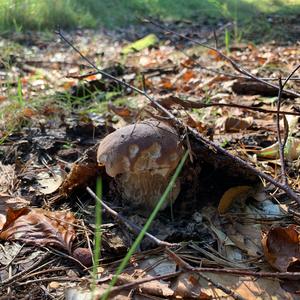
point(131, 226)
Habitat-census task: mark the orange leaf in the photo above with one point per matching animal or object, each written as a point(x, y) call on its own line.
point(28, 112)
point(188, 75)
point(214, 54)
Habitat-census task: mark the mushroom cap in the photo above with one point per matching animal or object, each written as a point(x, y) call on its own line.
point(150, 145)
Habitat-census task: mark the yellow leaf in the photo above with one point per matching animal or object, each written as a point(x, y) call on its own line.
point(232, 195)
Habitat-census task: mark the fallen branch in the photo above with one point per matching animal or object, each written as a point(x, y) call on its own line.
point(131, 226)
point(194, 104)
point(188, 267)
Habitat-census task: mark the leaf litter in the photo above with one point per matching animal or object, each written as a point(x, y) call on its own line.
point(226, 219)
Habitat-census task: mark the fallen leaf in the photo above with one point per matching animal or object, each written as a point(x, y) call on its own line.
point(231, 195)
point(122, 111)
point(291, 150)
point(233, 124)
point(188, 75)
point(81, 172)
point(145, 42)
point(250, 288)
point(40, 227)
point(282, 248)
point(28, 112)
point(49, 183)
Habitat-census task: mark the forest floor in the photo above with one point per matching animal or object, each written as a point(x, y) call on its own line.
point(233, 231)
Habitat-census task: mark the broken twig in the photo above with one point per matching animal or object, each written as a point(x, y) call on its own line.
point(131, 226)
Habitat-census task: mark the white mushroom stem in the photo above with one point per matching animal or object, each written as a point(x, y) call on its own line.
point(145, 189)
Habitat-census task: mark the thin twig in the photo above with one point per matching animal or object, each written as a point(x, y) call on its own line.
point(47, 279)
point(137, 282)
point(131, 226)
point(233, 63)
point(281, 144)
point(20, 274)
point(193, 131)
point(231, 75)
point(194, 104)
point(186, 266)
point(223, 288)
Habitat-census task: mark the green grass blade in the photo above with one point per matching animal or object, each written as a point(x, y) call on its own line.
point(146, 226)
point(97, 238)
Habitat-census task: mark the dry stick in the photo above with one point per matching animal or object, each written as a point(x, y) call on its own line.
point(235, 76)
point(281, 144)
point(234, 64)
point(20, 274)
point(223, 288)
point(196, 134)
point(137, 282)
point(47, 279)
point(131, 226)
point(186, 266)
point(193, 104)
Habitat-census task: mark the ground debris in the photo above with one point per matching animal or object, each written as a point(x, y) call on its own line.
point(56, 111)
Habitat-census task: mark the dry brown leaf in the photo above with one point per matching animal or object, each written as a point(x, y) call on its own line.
point(188, 75)
point(49, 182)
point(214, 54)
point(282, 248)
point(81, 173)
point(122, 111)
point(233, 124)
point(248, 287)
point(40, 227)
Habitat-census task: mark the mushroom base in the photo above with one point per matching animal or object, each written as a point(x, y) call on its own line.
point(144, 189)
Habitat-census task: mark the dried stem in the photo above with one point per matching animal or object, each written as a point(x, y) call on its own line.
point(131, 226)
point(184, 265)
point(281, 144)
point(194, 104)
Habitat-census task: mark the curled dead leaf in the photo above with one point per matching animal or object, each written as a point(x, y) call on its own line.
point(40, 227)
point(282, 248)
point(233, 124)
point(291, 150)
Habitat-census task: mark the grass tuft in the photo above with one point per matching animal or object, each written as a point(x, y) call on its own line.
point(21, 15)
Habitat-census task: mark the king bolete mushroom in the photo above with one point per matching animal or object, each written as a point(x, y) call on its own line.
point(141, 158)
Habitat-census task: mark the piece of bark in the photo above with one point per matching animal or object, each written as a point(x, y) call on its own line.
point(251, 87)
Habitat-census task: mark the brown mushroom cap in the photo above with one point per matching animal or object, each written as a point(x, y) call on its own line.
point(142, 158)
point(147, 146)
